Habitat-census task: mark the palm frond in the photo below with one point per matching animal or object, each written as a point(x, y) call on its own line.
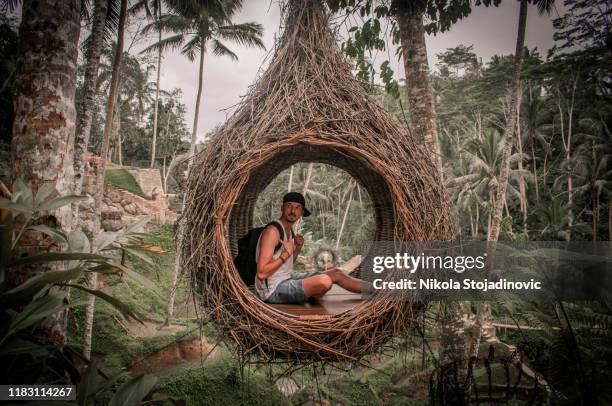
point(221, 50)
point(248, 34)
point(192, 48)
point(173, 42)
point(170, 23)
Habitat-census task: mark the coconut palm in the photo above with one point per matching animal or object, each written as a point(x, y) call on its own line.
point(485, 167)
point(199, 26)
point(409, 17)
point(110, 108)
point(534, 125)
point(543, 6)
point(103, 24)
point(153, 10)
point(45, 83)
point(593, 178)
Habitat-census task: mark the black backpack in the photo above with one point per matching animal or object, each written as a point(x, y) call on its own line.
point(246, 261)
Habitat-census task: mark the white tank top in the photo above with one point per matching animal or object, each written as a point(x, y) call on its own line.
point(281, 274)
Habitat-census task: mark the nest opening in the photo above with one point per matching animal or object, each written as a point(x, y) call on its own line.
point(241, 217)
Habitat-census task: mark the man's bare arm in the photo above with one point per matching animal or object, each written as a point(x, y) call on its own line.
point(266, 266)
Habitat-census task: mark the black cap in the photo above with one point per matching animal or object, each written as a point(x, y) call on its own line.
point(296, 198)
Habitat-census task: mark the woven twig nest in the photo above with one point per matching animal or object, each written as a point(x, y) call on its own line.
point(306, 107)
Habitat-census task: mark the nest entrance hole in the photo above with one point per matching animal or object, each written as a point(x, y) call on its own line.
point(375, 194)
point(242, 214)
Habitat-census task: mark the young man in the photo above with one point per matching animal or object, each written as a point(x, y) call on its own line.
point(274, 282)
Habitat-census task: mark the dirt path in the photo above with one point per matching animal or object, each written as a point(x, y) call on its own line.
point(177, 354)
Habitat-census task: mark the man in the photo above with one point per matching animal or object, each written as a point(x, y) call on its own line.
point(274, 282)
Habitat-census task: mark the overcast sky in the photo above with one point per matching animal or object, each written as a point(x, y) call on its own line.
point(490, 30)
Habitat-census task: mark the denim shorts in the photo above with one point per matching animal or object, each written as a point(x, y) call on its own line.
point(291, 291)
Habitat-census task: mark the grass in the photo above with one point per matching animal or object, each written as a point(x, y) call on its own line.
point(220, 383)
point(122, 179)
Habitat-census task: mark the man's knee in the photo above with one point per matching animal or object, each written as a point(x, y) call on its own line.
point(318, 285)
point(326, 282)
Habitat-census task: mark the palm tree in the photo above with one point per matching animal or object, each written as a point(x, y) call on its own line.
point(485, 168)
point(409, 17)
point(153, 10)
point(543, 6)
point(43, 130)
point(533, 126)
point(198, 25)
point(110, 108)
point(593, 176)
point(553, 220)
point(105, 18)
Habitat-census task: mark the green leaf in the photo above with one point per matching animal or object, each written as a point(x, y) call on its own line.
point(43, 192)
point(23, 194)
point(57, 256)
point(78, 242)
point(125, 310)
point(53, 233)
point(35, 284)
point(38, 310)
point(18, 346)
point(103, 240)
point(133, 391)
point(15, 206)
point(92, 383)
point(136, 226)
point(59, 202)
point(139, 254)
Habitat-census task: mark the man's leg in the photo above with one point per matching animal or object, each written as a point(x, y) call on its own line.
point(316, 286)
point(347, 282)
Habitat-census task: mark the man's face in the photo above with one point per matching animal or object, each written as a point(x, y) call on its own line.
point(292, 211)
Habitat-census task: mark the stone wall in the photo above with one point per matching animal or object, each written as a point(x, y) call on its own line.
point(120, 208)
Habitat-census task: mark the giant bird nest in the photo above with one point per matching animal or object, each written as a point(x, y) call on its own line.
point(306, 107)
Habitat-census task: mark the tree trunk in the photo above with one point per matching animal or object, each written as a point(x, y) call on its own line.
point(290, 183)
point(535, 171)
point(43, 130)
point(177, 264)
point(177, 267)
point(519, 142)
point(159, 58)
point(108, 126)
point(595, 214)
point(510, 125)
point(418, 82)
point(610, 219)
point(568, 157)
point(348, 206)
point(194, 133)
point(83, 127)
point(304, 187)
point(116, 132)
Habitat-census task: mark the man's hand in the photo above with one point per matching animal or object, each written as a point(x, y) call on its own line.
point(298, 240)
point(288, 246)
